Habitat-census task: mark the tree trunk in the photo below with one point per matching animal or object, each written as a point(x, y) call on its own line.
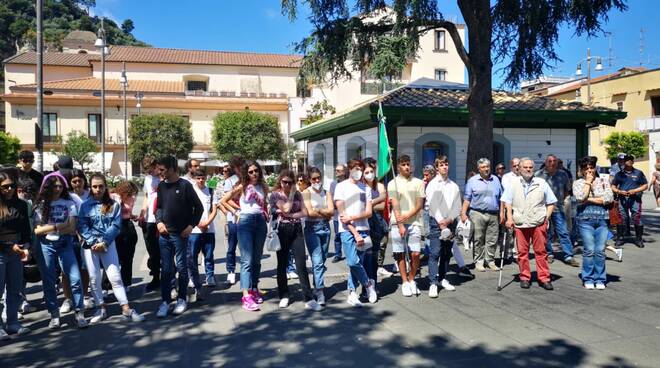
point(477, 16)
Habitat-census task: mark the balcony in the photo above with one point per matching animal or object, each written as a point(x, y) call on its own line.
point(648, 124)
point(375, 88)
point(199, 93)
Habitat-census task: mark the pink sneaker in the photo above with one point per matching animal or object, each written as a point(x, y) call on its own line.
point(256, 296)
point(249, 304)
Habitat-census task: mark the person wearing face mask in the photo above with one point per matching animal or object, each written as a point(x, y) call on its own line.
point(100, 224)
point(340, 175)
point(320, 210)
point(593, 195)
point(529, 204)
point(377, 224)
point(406, 194)
point(353, 200)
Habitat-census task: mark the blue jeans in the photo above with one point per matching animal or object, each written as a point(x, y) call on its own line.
point(441, 252)
point(377, 231)
point(54, 252)
point(11, 277)
point(558, 224)
point(291, 263)
point(205, 243)
point(251, 237)
point(631, 210)
point(232, 242)
point(173, 248)
point(335, 224)
point(354, 259)
point(594, 236)
point(317, 239)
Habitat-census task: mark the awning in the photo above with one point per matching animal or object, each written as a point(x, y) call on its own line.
point(214, 163)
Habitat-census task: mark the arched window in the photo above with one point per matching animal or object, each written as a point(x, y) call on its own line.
point(431, 145)
point(318, 157)
point(356, 147)
point(431, 150)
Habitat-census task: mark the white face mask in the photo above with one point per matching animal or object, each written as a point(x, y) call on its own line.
point(316, 186)
point(356, 175)
point(369, 176)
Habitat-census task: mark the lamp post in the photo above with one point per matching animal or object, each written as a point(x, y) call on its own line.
point(138, 97)
point(599, 67)
point(101, 44)
point(124, 84)
point(38, 129)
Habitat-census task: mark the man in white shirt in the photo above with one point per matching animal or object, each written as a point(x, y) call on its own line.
point(444, 200)
point(147, 221)
point(511, 254)
point(202, 238)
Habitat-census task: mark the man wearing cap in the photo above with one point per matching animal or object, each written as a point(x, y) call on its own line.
point(616, 167)
point(529, 205)
point(629, 184)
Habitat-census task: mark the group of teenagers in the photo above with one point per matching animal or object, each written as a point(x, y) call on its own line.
point(74, 226)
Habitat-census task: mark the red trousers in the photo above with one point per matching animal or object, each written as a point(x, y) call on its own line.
point(538, 237)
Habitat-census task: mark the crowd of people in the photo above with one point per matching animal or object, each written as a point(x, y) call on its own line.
point(71, 231)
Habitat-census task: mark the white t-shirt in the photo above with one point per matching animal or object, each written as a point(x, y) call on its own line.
point(60, 211)
point(355, 197)
point(506, 179)
point(204, 196)
point(151, 189)
point(230, 183)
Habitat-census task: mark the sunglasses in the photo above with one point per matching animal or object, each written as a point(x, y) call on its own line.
point(287, 182)
point(252, 172)
point(315, 178)
point(8, 186)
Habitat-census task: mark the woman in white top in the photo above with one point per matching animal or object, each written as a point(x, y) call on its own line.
point(320, 210)
point(251, 229)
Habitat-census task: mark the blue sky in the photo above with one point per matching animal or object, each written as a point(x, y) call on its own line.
point(258, 26)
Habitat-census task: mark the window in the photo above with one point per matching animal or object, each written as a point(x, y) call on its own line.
point(196, 85)
point(186, 118)
point(432, 150)
point(49, 121)
point(498, 153)
point(440, 74)
point(440, 41)
point(655, 105)
point(94, 127)
point(619, 105)
point(356, 148)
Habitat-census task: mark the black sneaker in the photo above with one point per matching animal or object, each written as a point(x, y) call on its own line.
point(336, 259)
point(547, 285)
point(525, 284)
point(152, 286)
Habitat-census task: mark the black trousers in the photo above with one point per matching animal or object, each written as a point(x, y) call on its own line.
point(126, 241)
point(291, 238)
point(153, 248)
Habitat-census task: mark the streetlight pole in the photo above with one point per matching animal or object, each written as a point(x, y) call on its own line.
point(39, 133)
point(100, 43)
point(138, 97)
point(124, 84)
point(599, 67)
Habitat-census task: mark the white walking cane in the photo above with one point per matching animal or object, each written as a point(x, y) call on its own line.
point(499, 283)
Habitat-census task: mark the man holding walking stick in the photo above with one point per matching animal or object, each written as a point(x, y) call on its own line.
point(529, 203)
point(407, 197)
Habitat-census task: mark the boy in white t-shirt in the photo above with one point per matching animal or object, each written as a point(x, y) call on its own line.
point(147, 221)
point(202, 238)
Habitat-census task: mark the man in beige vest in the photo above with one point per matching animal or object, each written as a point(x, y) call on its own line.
point(529, 203)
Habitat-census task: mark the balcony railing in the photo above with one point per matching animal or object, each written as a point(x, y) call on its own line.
point(375, 88)
point(199, 93)
point(648, 124)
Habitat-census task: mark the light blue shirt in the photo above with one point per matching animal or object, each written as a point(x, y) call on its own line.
point(548, 195)
point(483, 194)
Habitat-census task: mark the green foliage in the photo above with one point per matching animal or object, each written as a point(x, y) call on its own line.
point(18, 25)
point(158, 135)
point(80, 148)
point(319, 111)
point(633, 143)
point(9, 148)
point(249, 134)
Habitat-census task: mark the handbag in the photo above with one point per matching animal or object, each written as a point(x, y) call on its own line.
point(272, 238)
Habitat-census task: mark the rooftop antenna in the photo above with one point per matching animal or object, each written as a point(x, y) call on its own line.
point(609, 50)
point(641, 46)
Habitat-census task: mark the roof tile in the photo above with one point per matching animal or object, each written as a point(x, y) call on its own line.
point(94, 84)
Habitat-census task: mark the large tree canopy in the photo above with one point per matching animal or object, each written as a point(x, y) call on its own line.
point(380, 35)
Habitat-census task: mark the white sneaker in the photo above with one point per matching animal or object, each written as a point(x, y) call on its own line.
point(231, 278)
point(66, 307)
point(589, 286)
point(433, 291)
point(354, 299)
point(657, 209)
point(600, 286)
point(479, 266)
point(371, 292)
point(413, 288)
point(406, 290)
point(446, 285)
point(163, 310)
point(313, 305)
point(174, 294)
point(619, 254)
point(88, 303)
point(133, 316)
point(292, 275)
point(320, 297)
point(98, 316)
point(180, 307)
point(27, 308)
point(80, 320)
point(3, 335)
point(191, 284)
point(383, 272)
point(54, 323)
point(284, 302)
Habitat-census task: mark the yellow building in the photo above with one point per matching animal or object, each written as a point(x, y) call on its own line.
point(633, 90)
